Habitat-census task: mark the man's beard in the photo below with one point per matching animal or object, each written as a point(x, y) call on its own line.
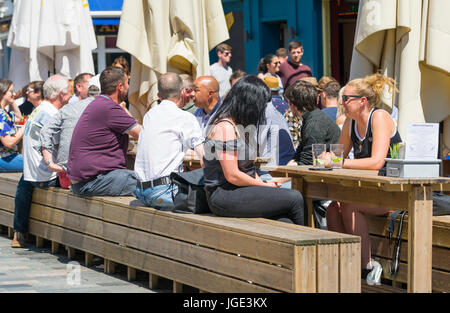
point(123, 96)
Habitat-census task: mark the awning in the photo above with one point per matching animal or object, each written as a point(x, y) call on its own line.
point(106, 12)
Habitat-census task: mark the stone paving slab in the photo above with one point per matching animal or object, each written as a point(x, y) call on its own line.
point(35, 270)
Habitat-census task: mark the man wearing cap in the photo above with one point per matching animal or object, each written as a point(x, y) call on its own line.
point(278, 102)
point(56, 135)
point(275, 137)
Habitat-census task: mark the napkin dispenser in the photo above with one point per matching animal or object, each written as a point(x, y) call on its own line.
point(414, 168)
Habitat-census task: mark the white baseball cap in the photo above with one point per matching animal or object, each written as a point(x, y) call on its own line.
point(94, 81)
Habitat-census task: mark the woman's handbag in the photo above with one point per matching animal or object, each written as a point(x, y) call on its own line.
point(191, 196)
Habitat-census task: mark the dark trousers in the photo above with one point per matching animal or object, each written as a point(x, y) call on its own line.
point(23, 198)
point(257, 201)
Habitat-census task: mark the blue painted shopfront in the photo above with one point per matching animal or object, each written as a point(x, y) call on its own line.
point(262, 26)
point(105, 5)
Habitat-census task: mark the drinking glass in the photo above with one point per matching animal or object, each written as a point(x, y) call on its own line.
point(337, 153)
point(319, 154)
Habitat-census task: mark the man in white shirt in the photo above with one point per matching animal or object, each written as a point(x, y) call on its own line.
point(167, 133)
point(35, 170)
point(220, 70)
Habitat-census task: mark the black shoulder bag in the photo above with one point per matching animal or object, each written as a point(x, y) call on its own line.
point(191, 196)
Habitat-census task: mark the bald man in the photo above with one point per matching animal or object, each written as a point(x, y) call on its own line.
point(206, 99)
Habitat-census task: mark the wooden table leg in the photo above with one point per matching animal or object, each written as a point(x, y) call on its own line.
point(310, 206)
point(299, 184)
point(420, 230)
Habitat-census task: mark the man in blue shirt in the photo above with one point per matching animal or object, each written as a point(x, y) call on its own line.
point(276, 131)
point(206, 99)
point(329, 99)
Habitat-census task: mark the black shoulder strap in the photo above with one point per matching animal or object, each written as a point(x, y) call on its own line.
point(369, 126)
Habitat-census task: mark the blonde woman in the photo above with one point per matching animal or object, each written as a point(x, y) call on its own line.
point(370, 132)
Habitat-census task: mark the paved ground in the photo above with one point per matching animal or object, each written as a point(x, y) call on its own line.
point(34, 270)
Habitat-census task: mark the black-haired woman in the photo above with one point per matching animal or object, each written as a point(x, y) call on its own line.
point(232, 184)
point(10, 159)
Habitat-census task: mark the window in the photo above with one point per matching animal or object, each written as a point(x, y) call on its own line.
point(106, 52)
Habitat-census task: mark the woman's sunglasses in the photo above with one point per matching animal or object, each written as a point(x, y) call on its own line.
point(345, 98)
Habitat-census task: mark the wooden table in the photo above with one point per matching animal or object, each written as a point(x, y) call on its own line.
point(366, 187)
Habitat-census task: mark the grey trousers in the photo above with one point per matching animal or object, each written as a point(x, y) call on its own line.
point(115, 183)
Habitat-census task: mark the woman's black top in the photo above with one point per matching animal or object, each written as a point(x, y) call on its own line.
point(213, 171)
point(363, 148)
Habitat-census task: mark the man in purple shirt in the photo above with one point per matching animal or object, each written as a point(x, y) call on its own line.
point(293, 69)
point(97, 157)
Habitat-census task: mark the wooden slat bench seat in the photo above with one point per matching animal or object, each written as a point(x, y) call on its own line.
point(440, 251)
point(207, 252)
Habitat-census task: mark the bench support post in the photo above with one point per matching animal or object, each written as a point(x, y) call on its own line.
point(420, 231)
point(70, 253)
point(39, 242)
point(305, 269)
point(109, 267)
point(55, 247)
point(152, 281)
point(88, 259)
point(177, 287)
point(131, 273)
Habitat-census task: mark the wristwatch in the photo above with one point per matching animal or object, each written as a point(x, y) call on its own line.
point(48, 162)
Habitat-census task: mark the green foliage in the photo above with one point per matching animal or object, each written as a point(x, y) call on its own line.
point(394, 151)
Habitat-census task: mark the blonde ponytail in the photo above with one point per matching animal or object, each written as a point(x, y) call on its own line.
point(372, 87)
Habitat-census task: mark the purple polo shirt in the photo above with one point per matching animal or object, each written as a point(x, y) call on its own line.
point(99, 142)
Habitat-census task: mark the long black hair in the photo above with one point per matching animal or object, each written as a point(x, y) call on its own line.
point(246, 102)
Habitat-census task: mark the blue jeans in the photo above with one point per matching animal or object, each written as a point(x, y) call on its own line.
point(115, 183)
point(11, 164)
point(158, 197)
point(23, 198)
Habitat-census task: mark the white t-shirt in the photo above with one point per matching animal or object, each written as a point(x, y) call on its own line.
point(222, 75)
point(167, 133)
point(34, 168)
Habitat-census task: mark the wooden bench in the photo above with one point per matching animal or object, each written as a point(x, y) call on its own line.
point(207, 252)
point(440, 251)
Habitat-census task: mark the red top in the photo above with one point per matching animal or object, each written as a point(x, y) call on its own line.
point(290, 72)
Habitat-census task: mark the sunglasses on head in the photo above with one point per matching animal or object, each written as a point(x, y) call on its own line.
point(345, 98)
